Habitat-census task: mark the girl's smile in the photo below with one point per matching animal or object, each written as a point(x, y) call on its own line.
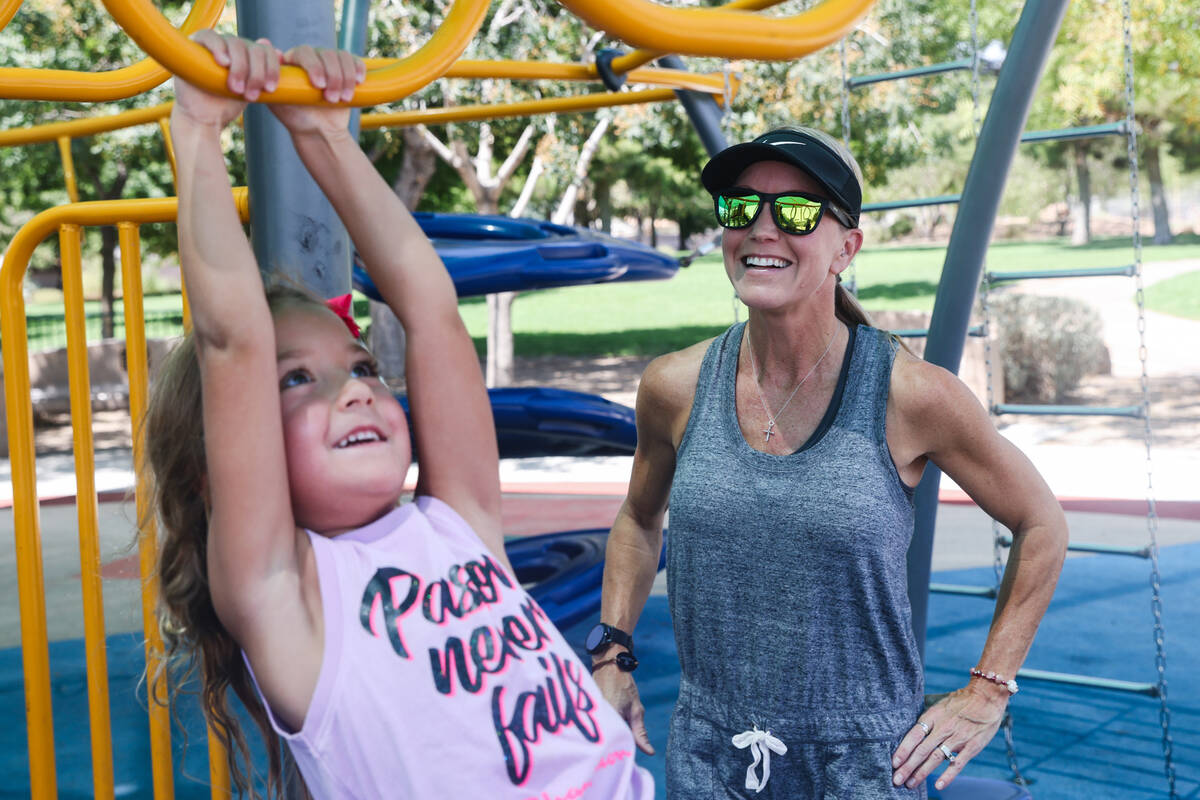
point(345, 435)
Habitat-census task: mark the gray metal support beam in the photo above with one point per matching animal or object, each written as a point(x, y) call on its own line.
point(701, 109)
point(352, 36)
point(293, 229)
point(998, 139)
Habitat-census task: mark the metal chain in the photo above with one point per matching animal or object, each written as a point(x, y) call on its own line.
point(727, 109)
point(1160, 653)
point(845, 94)
point(976, 122)
point(851, 282)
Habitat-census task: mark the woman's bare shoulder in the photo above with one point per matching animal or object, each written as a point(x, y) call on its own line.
point(669, 381)
point(925, 391)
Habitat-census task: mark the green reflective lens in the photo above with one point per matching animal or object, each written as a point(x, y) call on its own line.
point(794, 213)
point(737, 212)
point(797, 214)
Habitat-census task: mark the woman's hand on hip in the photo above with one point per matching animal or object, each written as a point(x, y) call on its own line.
point(620, 690)
point(954, 730)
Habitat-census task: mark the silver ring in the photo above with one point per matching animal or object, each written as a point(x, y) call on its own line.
point(950, 755)
point(925, 727)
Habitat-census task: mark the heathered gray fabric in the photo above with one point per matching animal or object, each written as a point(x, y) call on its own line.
point(787, 586)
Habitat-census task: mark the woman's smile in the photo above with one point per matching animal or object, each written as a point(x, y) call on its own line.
point(765, 262)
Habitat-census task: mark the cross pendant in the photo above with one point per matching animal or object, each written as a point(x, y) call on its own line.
point(767, 431)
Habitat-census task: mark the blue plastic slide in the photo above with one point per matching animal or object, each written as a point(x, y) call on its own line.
point(487, 254)
point(538, 421)
point(564, 571)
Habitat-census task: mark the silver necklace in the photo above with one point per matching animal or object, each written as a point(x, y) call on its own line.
point(771, 418)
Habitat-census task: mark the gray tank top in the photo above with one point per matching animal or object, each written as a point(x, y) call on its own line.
point(786, 574)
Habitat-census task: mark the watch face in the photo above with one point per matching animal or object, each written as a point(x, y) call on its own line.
point(596, 637)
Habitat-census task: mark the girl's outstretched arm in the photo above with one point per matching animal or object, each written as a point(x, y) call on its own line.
point(452, 419)
point(252, 557)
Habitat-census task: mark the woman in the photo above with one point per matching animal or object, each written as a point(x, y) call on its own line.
point(788, 449)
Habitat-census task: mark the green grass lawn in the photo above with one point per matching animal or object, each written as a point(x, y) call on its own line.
point(905, 278)
point(650, 318)
point(654, 317)
point(1178, 296)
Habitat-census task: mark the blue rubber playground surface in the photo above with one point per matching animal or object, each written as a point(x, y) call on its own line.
point(1072, 743)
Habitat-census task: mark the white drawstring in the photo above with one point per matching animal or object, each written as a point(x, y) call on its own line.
point(761, 743)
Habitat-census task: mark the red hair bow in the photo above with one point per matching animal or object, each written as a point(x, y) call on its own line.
point(342, 307)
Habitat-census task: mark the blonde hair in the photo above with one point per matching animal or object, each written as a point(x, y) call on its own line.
point(196, 644)
point(846, 305)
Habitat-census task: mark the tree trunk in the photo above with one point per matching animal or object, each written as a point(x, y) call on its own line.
point(1158, 198)
point(602, 189)
point(386, 340)
point(500, 339)
point(416, 169)
point(108, 270)
point(565, 213)
point(108, 252)
point(1081, 210)
point(486, 188)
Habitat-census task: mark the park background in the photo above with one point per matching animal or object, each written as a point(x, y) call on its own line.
point(634, 171)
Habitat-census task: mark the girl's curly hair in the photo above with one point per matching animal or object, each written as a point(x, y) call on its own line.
point(195, 642)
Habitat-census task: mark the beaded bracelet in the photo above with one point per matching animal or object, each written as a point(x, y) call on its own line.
point(1010, 684)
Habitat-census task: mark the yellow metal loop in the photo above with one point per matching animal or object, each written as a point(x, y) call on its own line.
point(722, 32)
point(8, 8)
point(146, 26)
point(710, 83)
point(30, 582)
point(95, 87)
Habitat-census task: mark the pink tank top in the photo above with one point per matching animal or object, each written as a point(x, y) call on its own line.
point(443, 678)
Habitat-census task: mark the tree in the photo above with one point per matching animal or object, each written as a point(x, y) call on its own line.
point(126, 163)
point(514, 29)
point(1085, 83)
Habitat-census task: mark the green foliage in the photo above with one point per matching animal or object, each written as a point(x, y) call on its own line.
point(78, 35)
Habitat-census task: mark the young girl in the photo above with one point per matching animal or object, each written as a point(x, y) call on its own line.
point(392, 647)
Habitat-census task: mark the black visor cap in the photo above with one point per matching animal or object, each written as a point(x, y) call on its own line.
point(797, 148)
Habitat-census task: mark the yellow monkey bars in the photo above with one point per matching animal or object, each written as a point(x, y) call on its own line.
point(731, 31)
point(146, 26)
point(727, 32)
point(62, 84)
point(7, 9)
point(64, 132)
point(127, 215)
point(586, 102)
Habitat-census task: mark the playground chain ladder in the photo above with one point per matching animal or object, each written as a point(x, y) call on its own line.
point(1158, 689)
point(1126, 128)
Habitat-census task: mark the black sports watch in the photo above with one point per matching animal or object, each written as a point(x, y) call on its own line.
point(603, 635)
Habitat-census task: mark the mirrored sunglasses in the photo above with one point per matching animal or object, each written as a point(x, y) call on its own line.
point(794, 212)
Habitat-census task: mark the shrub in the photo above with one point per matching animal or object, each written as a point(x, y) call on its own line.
point(1049, 344)
point(901, 227)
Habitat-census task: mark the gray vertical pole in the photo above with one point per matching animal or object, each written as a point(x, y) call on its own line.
point(703, 111)
point(998, 139)
point(292, 226)
point(352, 36)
